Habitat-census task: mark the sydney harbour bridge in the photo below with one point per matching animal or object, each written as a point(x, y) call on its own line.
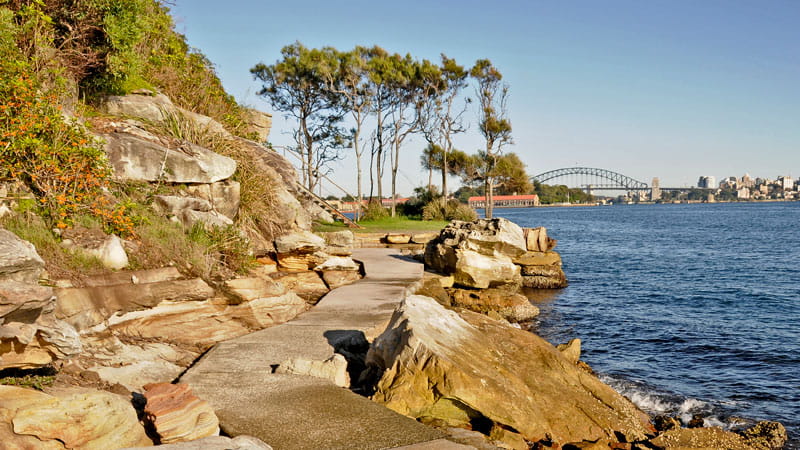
point(593, 179)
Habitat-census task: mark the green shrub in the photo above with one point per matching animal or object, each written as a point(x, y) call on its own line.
point(375, 211)
point(452, 209)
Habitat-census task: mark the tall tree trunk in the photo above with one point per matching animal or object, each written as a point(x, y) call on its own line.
point(444, 175)
point(489, 196)
point(309, 154)
point(358, 170)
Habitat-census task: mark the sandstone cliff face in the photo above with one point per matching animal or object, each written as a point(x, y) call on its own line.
point(472, 371)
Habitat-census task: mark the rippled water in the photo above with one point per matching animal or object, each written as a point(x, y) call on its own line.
point(685, 309)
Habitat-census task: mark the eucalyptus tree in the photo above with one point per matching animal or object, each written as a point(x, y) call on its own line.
point(297, 85)
point(442, 112)
point(379, 63)
point(507, 171)
point(409, 79)
point(351, 81)
point(493, 122)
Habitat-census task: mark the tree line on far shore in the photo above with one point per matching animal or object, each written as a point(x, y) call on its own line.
point(388, 97)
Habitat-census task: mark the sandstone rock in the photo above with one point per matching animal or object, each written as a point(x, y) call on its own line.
point(339, 278)
point(333, 369)
point(699, 438)
point(177, 415)
point(157, 107)
point(765, 436)
point(299, 242)
point(308, 285)
point(339, 263)
point(258, 123)
point(174, 204)
point(205, 323)
point(133, 277)
point(533, 258)
point(136, 374)
point(241, 442)
point(70, 418)
point(476, 270)
point(151, 107)
point(224, 196)
point(247, 289)
point(18, 259)
point(536, 239)
point(111, 253)
point(209, 219)
point(136, 158)
point(84, 308)
point(666, 423)
point(464, 369)
point(339, 238)
point(423, 238)
point(571, 350)
point(30, 335)
point(397, 238)
point(540, 282)
point(511, 307)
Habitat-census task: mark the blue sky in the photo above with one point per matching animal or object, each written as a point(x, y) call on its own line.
point(669, 89)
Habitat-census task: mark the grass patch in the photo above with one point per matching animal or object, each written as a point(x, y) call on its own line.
point(386, 225)
point(60, 262)
point(36, 379)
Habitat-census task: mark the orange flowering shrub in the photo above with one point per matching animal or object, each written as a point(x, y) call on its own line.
point(59, 161)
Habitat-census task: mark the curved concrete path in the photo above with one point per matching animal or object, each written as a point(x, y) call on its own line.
point(301, 412)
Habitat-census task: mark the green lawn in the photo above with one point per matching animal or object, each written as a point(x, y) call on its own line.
point(387, 225)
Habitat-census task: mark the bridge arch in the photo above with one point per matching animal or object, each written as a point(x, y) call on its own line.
point(615, 180)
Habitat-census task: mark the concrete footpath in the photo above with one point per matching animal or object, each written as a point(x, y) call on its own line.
point(301, 412)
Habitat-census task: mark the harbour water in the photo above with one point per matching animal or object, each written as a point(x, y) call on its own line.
point(685, 309)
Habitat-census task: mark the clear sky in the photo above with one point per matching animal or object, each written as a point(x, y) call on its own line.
point(672, 89)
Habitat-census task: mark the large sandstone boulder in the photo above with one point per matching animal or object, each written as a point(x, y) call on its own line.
point(479, 254)
point(470, 370)
point(138, 155)
point(299, 242)
point(19, 260)
point(177, 414)
point(71, 418)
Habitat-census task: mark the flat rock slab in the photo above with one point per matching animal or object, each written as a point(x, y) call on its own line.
point(298, 412)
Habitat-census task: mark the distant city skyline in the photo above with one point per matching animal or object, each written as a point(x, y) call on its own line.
point(674, 90)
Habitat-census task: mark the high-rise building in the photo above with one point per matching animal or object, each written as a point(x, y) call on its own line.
point(655, 190)
point(787, 183)
point(707, 182)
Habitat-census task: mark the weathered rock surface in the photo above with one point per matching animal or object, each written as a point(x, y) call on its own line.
point(84, 308)
point(571, 350)
point(241, 442)
point(224, 196)
point(258, 123)
point(445, 368)
point(30, 334)
point(397, 238)
point(301, 242)
point(536, 239)
point(308, 285)
point(19, 260)
point(177, 414)
point(338, 263)
point(339, 238)
point(699, 438)
point(71, 418)
point(138, 155)
point(339, 278)
point(252, 288)
point(766, 435)
point(476, 270)
point(333, 369)
point(208, 322)
point(511, 307)
point(111, 253)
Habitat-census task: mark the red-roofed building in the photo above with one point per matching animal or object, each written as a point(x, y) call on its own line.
point(506, 201)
